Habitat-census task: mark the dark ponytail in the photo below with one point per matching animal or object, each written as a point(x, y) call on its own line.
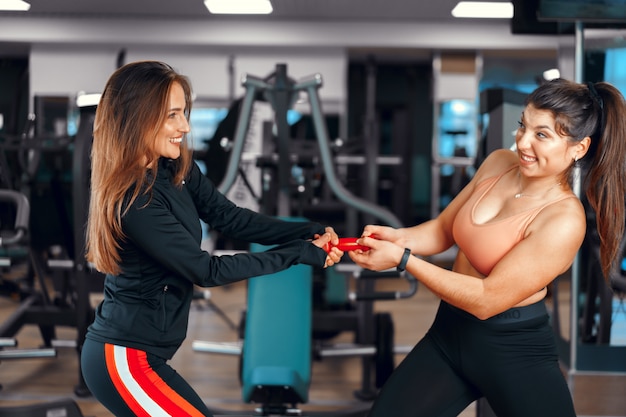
point(605, 183)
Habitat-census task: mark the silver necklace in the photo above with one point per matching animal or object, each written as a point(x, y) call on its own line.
point(521, 194)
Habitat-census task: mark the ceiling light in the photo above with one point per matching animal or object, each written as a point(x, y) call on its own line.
point(87, 100)
point(483, 10)
point(239, 6)
point(551, 74)
point(14, 5)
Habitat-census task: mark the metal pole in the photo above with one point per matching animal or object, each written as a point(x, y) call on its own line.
point(243, 122)
point(578, 76)
point(282, 91)
point(371, 136)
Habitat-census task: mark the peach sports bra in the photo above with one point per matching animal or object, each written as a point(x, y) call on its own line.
point(485, 244)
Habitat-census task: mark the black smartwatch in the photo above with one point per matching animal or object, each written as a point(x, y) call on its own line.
point(405, 258)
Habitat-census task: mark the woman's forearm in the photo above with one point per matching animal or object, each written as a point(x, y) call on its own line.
point(427, 239)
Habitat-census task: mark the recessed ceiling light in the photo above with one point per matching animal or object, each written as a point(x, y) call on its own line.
point(86, 100)
point(551, 74)
point(239, 6)
point(14, 5)
point(483, 10)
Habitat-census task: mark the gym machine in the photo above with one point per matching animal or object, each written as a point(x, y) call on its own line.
point(11, 238)
point(276, 359)
point(282, 93)
point(66, 303)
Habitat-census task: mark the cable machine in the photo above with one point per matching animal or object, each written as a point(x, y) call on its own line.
point(282, 93)
point(270, 378)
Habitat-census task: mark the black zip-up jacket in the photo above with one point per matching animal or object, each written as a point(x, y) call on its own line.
point(147, 305)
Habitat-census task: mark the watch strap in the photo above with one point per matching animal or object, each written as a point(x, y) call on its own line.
point(405, 259)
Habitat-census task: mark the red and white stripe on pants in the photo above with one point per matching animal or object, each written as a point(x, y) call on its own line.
point(141, 387)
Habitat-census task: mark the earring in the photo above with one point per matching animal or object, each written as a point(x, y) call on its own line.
point(575, 158)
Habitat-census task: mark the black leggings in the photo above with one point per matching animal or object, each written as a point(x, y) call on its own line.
point(510, 360)
point(131, 383)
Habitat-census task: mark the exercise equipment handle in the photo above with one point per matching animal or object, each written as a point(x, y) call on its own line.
point(21, 216)
point(346, 244)
point(386, 295)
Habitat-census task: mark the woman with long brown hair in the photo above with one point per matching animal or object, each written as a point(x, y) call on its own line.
point(144, 233)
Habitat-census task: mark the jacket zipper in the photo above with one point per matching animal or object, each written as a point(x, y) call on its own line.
point(163, 326)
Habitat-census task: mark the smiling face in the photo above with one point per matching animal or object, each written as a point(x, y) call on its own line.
point(175, 125)
point(544, 151)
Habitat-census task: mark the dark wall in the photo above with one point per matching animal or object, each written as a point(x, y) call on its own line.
point(400, 123)
point(14, 93)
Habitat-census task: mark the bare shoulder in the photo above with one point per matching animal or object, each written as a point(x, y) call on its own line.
point(565, 219)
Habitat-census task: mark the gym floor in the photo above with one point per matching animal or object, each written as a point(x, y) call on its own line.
point(334, 380)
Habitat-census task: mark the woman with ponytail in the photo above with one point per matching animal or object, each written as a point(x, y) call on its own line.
point(518, 225)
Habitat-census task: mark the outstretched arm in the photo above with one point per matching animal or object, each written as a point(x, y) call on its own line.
point(548, 249)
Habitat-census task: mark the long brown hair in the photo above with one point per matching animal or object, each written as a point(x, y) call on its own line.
point(596, 111)
point(131, 111)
